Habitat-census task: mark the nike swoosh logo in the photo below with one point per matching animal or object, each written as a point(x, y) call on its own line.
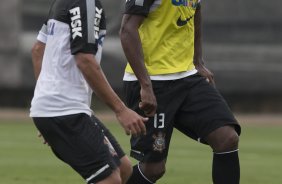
point(183, 22)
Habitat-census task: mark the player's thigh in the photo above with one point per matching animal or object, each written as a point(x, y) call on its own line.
point(114, 146)
point(153, 147)
point(114, 178)
point(204, 111)
point(78, 143)
point(118, 154)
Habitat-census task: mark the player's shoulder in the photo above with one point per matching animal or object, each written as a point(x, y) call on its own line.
point(139, 7)
point(84, 5)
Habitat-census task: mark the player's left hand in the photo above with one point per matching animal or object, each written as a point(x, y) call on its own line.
point(148, 102)
point(40, 136)
point(203, 71)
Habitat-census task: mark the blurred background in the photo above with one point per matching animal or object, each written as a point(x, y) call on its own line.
point(242, 46)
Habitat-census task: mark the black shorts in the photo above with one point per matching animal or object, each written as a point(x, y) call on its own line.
point(114, 145)
point(191, 105)
point(83, 143)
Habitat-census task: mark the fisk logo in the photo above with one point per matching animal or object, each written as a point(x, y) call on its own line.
point(98, 17)
point(76, 22)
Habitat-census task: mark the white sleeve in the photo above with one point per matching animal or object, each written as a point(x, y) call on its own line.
point(42, 36)
point(100, 41)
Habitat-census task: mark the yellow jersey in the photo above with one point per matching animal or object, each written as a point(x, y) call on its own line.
point(167, 35)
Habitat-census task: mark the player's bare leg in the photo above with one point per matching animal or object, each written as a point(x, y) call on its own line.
point(114, 178)
point(226, 168)
point(223, 139)
point(125, 169)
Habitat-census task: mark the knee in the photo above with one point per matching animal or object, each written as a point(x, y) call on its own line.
point(230, 142)
point(153, 171)
point(224, 139)
point(125, 169)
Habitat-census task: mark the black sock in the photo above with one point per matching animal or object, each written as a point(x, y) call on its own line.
point(137, 177)
point(226, 168)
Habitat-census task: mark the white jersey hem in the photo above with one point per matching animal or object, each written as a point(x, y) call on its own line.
point(57, 114)
point(175, 76)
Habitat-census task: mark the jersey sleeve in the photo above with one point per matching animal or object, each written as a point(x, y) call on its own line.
point(138, 7)
point(42, 35)
point(101, 23)
point(81, 21)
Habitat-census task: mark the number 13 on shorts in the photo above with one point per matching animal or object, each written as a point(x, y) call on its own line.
point(159, 120)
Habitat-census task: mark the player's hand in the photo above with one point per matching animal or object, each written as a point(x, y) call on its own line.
point(40, 136)
point(132, 122)
point(148, 102)
point(203, 71)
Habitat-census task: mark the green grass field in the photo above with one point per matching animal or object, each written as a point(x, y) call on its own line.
point(25, 160)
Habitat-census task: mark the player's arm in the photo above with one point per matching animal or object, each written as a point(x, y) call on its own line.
point(83, 48)
point(198, 56)
point(132, 47)
point(93, 74)
point(37, 51)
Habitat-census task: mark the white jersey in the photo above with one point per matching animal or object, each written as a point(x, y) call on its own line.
point(71, 28)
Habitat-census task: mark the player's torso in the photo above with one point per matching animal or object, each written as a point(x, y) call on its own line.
point(61, 88)
point(64, 27)
point(167, 37)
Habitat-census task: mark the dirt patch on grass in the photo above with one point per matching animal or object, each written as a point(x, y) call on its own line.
point(259, 119)
point(244, 119)
point(108, 116)
point(14, 114)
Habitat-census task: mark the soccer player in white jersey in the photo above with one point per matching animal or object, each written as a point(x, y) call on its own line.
point(67, 73)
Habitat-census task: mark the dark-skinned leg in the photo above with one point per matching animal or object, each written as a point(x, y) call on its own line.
point(224, 142)
point(147, 173)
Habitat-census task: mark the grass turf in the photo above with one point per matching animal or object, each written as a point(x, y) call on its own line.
point(25, 160)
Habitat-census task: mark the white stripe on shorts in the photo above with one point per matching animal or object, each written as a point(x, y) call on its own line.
point(98, 172)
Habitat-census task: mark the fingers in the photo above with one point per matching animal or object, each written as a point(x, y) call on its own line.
point(40, 136)
point(137, 128)
point(148, 108)
point(143, 127)
point(203, 71)
point(132, 122)
point(210, 80)
point(128, 132)
point(150, 113)
point(209, 77)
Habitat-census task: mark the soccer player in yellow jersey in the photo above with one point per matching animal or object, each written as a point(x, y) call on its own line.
point(166, 80)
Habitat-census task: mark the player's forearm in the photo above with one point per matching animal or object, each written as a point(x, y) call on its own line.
point(37, 57)
point(198, 56)
point(95, 77)
point(132, 47)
